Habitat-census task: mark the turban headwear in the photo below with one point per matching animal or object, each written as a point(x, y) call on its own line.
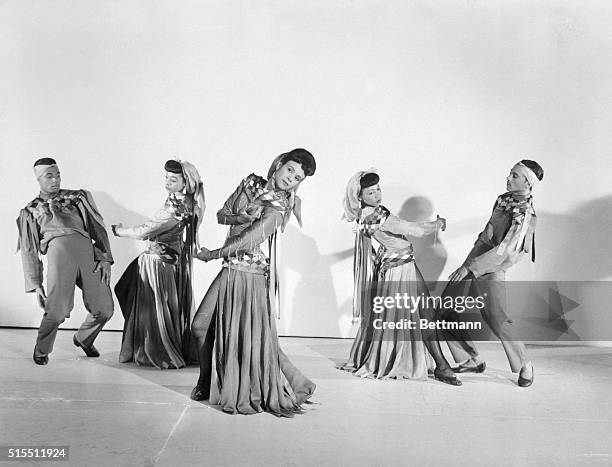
point(529, 174)
point(351, 201)
point(41, 166)
point(193, 187)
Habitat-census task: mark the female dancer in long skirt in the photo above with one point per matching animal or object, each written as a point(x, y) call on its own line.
point(391, 342)
point(155, 292)
point(250, 373)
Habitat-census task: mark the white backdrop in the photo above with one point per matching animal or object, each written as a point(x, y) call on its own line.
point(442, 97)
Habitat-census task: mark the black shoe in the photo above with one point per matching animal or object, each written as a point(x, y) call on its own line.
point(448, 379)
point(43, 360)
point(524, 382)
point(90, 351)
point(467, 368)
point(199, 394)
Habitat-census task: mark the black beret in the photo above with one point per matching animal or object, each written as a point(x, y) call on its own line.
point(45, 161)
point(368, 180)
point(304, 158)
point(174, 167)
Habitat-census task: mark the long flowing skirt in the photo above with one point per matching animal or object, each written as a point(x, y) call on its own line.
point(152, 333)
point(250, 372)
point(381, 352)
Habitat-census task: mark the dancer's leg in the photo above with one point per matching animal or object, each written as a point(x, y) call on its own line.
point(203, 330)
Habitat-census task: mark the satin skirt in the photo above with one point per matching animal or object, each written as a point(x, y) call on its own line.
point(391, 353)
point(148, 296)
point(251, 373)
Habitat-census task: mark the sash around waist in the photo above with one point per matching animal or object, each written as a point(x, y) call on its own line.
point(162, 252)
point(256, 263)
point(386, 259)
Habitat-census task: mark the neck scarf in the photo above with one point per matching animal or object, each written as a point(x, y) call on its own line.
point(521, 210)
point(373, 221)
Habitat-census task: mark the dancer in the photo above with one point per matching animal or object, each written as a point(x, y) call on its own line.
point(379, 350)
point(506, 238)
point(66, 226)
point(155, 292)
point(251, 373)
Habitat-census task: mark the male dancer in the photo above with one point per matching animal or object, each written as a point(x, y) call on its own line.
point(506, 237)
point(63, 224)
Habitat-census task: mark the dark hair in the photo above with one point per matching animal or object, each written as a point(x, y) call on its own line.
point(174, 167)
point(534, 167)
point(368, 180)
point(45, 161)
point(302, 157)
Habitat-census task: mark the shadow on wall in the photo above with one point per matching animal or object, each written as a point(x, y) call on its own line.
point(429, 251)
point(314, 310)
point(576, 246)
point(572, 247)
point(124, 249)
point(574, 251)
point(570, 299)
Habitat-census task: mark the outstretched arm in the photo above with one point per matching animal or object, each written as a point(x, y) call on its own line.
point(396, 225)
point(163, 221)
point(481, 245)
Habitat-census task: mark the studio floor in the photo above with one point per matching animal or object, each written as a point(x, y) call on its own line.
point(113, 414)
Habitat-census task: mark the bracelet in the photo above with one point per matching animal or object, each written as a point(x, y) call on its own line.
point(113, 227)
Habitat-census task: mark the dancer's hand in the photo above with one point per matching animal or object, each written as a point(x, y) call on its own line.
point(243, 217)
point(441, 221)
point(116, 229)
point(459, 274)
point(105, 268)
point(204, 254)
point(41, 296)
